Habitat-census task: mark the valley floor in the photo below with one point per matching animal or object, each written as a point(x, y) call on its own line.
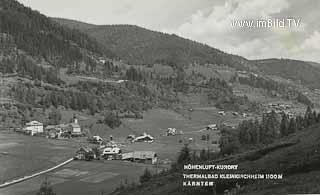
point(23, 155)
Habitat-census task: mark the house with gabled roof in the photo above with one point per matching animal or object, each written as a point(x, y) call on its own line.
point(33, 127)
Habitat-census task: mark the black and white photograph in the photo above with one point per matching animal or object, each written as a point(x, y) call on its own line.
point(159, 97)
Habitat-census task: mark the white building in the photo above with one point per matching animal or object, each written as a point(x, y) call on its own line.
point(110, 150)
point(34, 127)
point(76, 129)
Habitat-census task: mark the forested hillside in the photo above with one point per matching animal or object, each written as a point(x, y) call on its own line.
point(295, 70)
point(37, 35)
point(138, 45)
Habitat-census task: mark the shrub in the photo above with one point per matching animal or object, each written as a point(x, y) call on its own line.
point(112, 120)
point(46, 189)
point(146, 176)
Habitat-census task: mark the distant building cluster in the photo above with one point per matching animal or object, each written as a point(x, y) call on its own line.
point(53, 131)
point(280, 108)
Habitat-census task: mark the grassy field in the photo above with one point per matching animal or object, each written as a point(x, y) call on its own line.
point(83, 178)
point(22, 155)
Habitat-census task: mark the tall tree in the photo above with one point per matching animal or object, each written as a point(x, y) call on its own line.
point(284, 125)
point(184, 156)
point(292, 126)
point(309, 117)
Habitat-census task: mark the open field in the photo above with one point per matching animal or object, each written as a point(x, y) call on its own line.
point(22, 155)
point(83, 178)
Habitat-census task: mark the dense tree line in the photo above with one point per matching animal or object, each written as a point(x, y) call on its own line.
point(112, 120)
point(270, 128)
point(24, 94)
point(109, 68)
point(92, 96)
point(72, 99)
point(46, 98)
point(14, 61)
point(27, 68)
point(133, 74)
point(177, 82)
point(218, 90)
point(222, 96)
point(126, 92)
point(54, 117)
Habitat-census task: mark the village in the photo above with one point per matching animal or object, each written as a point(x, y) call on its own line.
point(94, 147)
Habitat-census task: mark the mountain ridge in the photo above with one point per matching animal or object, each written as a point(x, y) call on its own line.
point(302, 71)
point(138, 45)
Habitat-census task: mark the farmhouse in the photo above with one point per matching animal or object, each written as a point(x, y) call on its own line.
point(149, 157)
point(245, 115)
point(131, 138)
point(53, 131)
point(85, 153)
point(97, 139)
point(144, 138)
point(222, 113)
point(111, 152)
point(171, 131)
point(34, 127)
point(212, 127)
point(235, 113)
point(58, 131)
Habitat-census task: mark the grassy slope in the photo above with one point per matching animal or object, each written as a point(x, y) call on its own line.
point(298, 161)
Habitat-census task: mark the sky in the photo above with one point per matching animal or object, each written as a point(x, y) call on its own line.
point(208, 21)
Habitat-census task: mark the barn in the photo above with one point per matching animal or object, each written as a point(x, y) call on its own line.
point(148, 157)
